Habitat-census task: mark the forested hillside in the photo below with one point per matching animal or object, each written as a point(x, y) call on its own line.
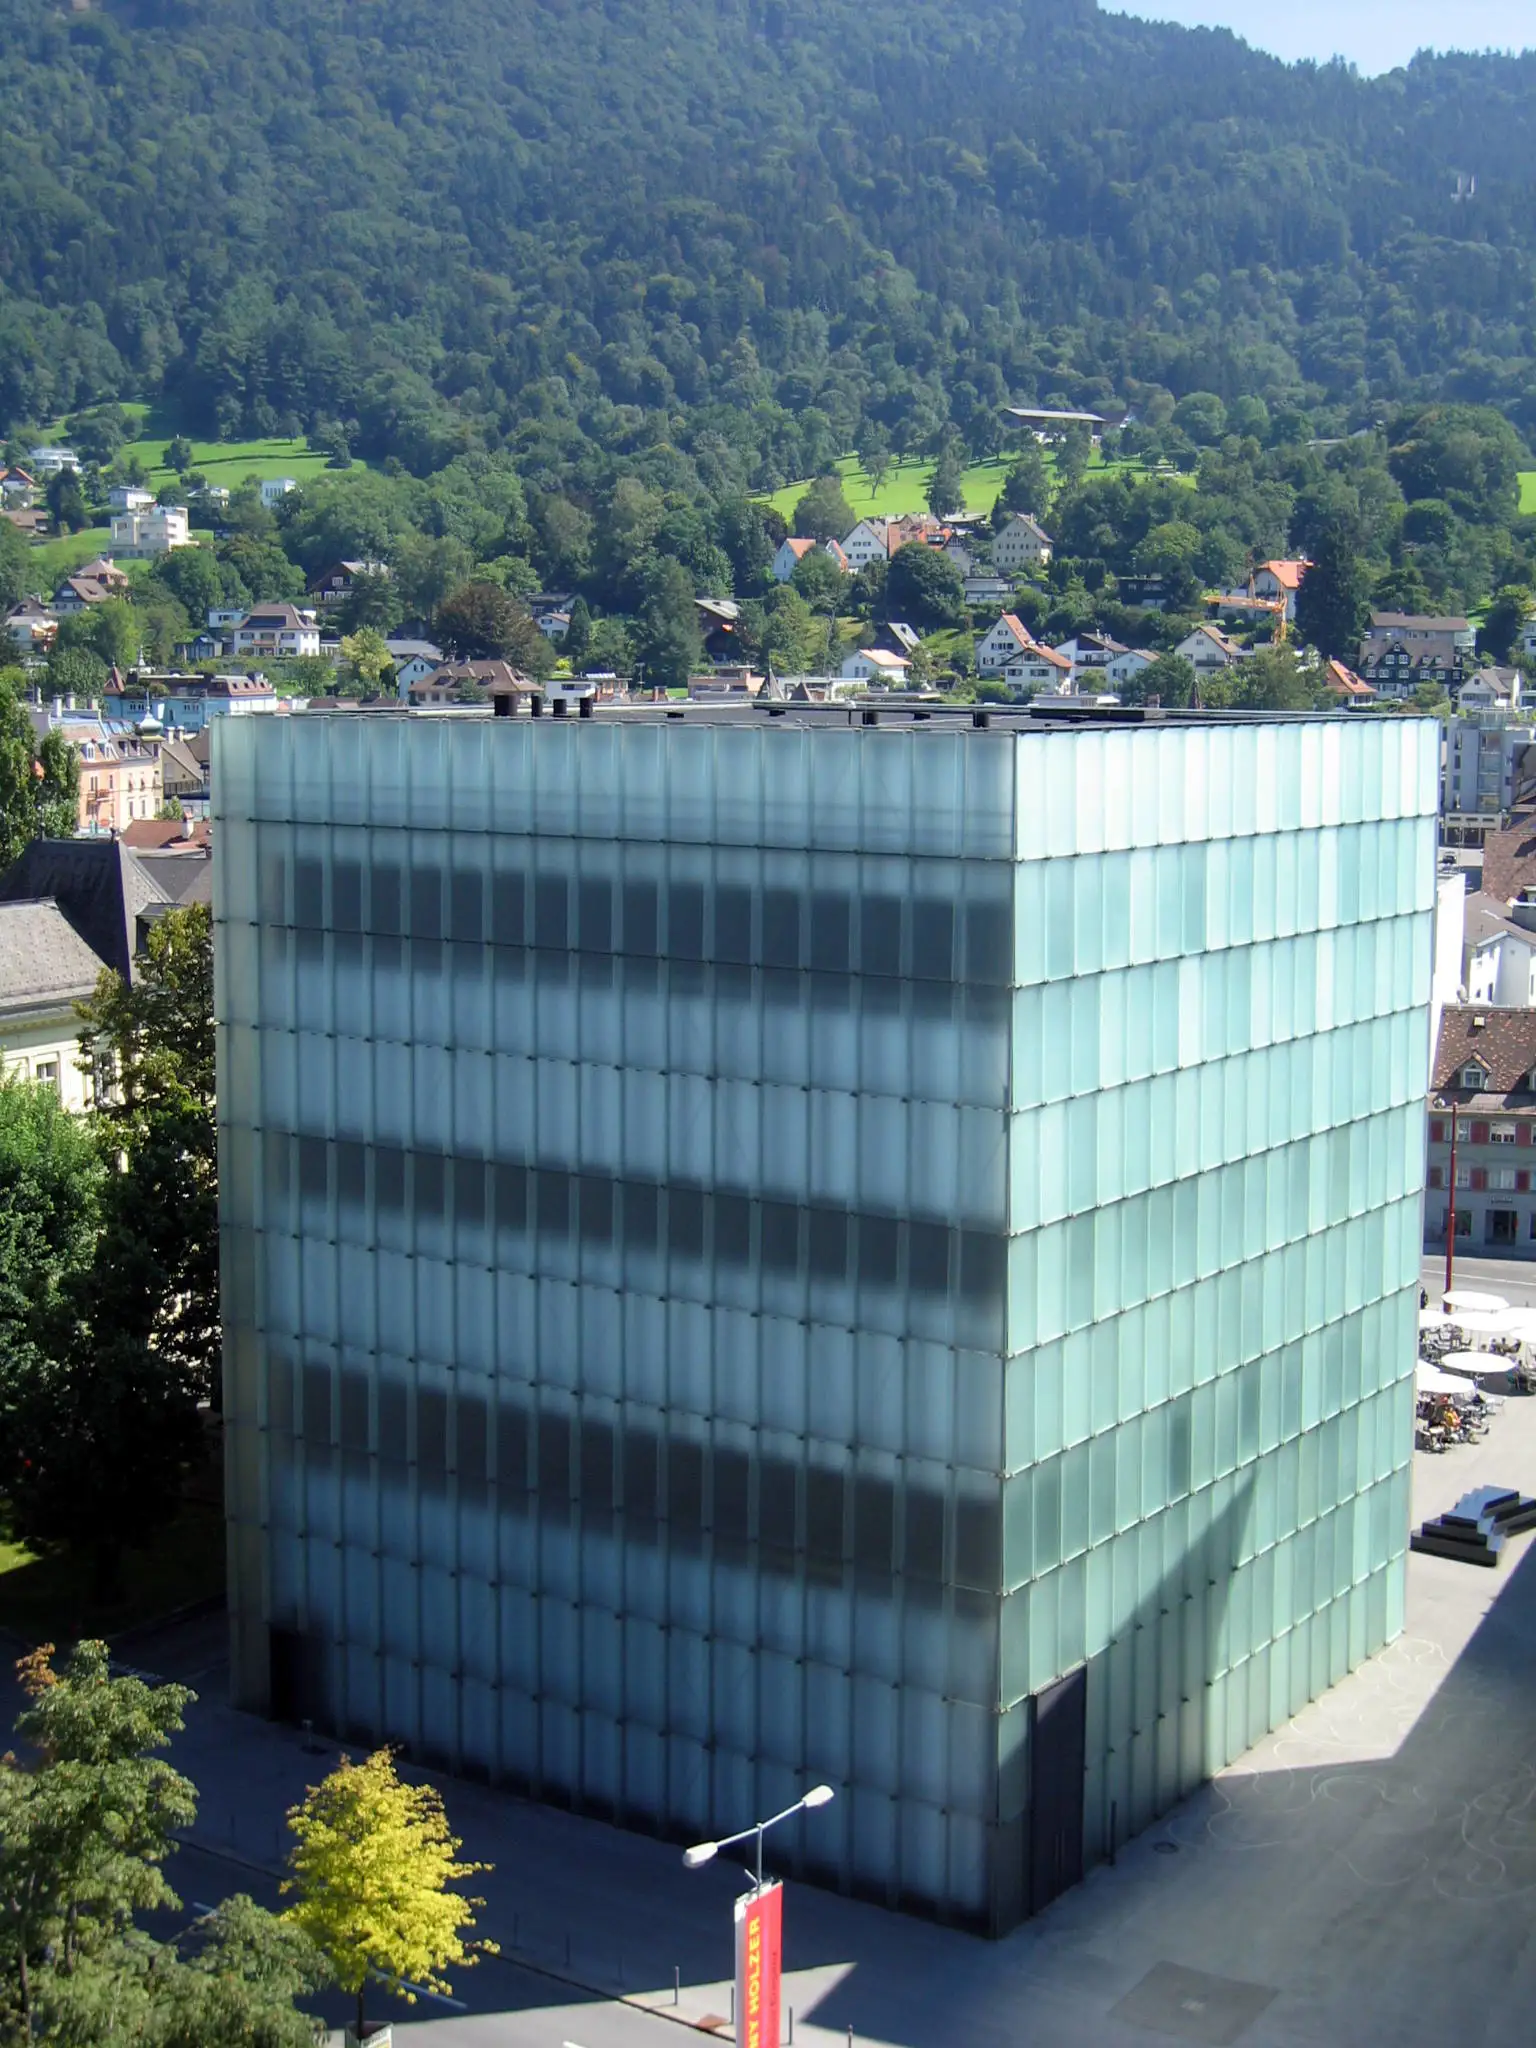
point(725, 238)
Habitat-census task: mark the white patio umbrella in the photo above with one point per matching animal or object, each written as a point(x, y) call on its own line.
point(1465, 1298)
point(1436, 1319)
point(1474, 1363)
point(1484, 1322)
point(1429, 1380)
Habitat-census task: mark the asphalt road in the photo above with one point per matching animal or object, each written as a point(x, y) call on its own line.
point(1515, 1279)
point(495, 2003)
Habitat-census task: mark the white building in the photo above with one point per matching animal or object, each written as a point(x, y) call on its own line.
point(554, 625)
point(1040, 668)
point(1001, 643)
point(1482, 751)
point(279, 631)
point(792, 552)
point(153, 531)
point(1125, 666)
point(874, 665)
point(130, 498)
point(1022, 544)
point(1491, 689)
point(868, 542)
point(1208, 651)
point(275, 488)
point(49, 461)
point(1500, 954)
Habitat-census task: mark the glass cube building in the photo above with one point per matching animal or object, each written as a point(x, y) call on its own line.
point(765, 1247)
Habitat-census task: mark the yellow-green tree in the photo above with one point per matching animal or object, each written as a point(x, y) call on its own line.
point(373, 1866)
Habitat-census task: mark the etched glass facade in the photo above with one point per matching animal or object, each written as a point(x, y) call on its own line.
point(753, 1246)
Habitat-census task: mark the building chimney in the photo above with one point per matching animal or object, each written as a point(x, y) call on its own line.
point(186, 826)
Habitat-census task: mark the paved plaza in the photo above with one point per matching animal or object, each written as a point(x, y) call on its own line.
point(1365, 1875)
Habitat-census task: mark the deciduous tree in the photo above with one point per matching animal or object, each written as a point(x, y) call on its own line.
point(373, 1868)
point(39, 779)
point(824, 513)
point(1333, 603)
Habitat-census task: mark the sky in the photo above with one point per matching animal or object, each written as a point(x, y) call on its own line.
point(1375, 34)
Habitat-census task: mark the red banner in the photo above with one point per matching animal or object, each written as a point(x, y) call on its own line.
point(759, 1951)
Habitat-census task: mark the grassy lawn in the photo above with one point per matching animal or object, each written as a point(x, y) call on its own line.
point(55, 559)
point(230, 462)
point(1528, 490)
point(50, 1598)
point(904, 486)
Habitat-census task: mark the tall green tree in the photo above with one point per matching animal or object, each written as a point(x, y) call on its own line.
point(946, 487)
point(39, 779)
point(923, 586)
point(824, 513)
point(88, 1818)
point(15, 566)
point(667, 639)
point(66, 502)
point(1504, 621)
point(483, 622)
point(103, 1426)
point(1333, 604)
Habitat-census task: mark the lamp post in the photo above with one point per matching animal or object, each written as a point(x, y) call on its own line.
point(759, 1926)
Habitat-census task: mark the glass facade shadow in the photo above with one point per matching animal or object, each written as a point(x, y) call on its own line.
point(753, 1250)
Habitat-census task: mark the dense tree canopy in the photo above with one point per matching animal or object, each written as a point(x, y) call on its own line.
point(389, 226)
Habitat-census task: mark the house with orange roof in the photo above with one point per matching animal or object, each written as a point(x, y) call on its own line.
point(1343, 683)
point(1276, 580)
point(1002, 643)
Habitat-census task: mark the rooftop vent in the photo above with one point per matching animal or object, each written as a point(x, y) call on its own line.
point(1479, 1022)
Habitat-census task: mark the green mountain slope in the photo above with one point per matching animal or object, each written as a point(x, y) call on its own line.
point(590, 230)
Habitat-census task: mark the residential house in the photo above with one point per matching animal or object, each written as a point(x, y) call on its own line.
point(109, 894)
point(1208, 651)
point(169, 835)
point(130, 498)
point(1499, 953)
point(275, 488)
point(460, 682)
point(793, 551)
point(719, 626)
point(1029, 672)
point(45, 969)
point(901, 638)
point(1491, 689)
point(1091, 654)
point(1002, 643)
point(867, 542)
point(1125, 666)
point(49, 461)
point(1021, 544)
point(185, 704)
point(93, 583)
point(18, 486)
point(554, 625)
point(32, 626)
point(1342, 682)
point(276, 631)
point(183, 775)
point(874, 665)
point(963, 557)
point(738, 684)
point(31, 522)
point(1401, 650)
point(1280, 580)
point(413, 660)
point(543, 601)
point(155, 531)
point(1483, 1085)
point(119, 774)
point(337, 582)
point(985, 588)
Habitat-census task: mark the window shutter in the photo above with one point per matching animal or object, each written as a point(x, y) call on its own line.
point(1522, 1134)
point(1437, 1176)
point(1523, 1181)
point(1479, 1133)
point(1479, 1179)
point(1437, 1130)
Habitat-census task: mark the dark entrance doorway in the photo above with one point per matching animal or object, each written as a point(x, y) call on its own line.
point(1056, 1789)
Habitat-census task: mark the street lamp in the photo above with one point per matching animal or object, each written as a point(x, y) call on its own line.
point(759, 1928)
